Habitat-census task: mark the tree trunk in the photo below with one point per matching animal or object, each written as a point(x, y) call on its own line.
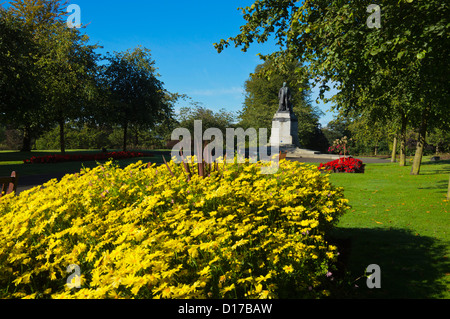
point(62, 140)
point(448, 193)
point(415, 169)
point(402, 161)
point(136, 137)
point(26, 141)
point(125, 133)
point(394, 150)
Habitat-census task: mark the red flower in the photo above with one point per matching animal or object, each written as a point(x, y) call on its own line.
point(347, 165)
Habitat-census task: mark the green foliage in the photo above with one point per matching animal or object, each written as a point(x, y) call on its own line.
point(397, 71)
point(20, 82)
point(69, 68)
point(440, 139)
point(57, 71)
point(210, 119)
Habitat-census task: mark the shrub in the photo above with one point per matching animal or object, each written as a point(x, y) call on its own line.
point(344, 165)
point(145, 232)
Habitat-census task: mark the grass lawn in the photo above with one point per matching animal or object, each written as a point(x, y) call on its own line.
point(401, 223)
point(13, 161)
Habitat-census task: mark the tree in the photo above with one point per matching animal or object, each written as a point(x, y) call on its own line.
point(394, 150)
point(210, 119)
point(448, 193)
point(136, 96)
point(261, 100)
point(20, 85)
point(440, 139)
point(337, 128)
point(406, 59)
point(220, 120)
point(365, 132)
point(58, 74)
point(68, 65)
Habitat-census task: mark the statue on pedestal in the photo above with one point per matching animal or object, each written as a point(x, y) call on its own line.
point(285, 98)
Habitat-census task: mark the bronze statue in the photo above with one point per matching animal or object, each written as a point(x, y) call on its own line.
point(285, 98)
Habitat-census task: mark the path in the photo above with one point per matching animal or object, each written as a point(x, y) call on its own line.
point(28, 182)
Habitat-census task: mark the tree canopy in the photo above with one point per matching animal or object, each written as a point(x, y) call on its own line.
point(57, 67)
point(136, 96)
point(405, 60)
point(50, 74)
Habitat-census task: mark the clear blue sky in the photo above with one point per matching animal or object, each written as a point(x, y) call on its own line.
point(180, 35)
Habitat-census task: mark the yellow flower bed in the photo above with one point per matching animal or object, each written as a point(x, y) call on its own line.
point(140, 232)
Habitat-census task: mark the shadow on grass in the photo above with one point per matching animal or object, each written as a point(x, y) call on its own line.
point(444, 167)
point(442, 185)
point(412, 266)
point(436, 162)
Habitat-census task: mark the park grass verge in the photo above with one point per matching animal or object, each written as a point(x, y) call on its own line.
point(401, 223)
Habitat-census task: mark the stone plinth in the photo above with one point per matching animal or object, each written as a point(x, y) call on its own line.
point(287, 137)
point(287, 123)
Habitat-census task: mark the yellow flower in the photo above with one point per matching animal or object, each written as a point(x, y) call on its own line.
point(288, 269)
point(205, 271)
point(227, 289)
point(166, 292)
point(264, 294)
point(139, 241)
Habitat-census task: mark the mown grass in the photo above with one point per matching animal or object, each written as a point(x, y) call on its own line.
point(401, 223)
point(13, 161)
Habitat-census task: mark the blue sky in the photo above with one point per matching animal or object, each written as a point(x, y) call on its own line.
point(180, 35)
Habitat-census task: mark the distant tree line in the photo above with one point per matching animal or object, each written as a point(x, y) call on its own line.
point(55, 90)
point(382, 140)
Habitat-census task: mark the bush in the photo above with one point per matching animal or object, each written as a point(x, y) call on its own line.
point(141, 232)
point(344, 165)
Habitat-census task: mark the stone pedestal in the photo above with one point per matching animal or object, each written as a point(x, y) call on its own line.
point(287, 137)
point(287, 123)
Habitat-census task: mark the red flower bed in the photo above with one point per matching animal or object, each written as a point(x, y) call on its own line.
point(58, 158)
point(344, 165)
